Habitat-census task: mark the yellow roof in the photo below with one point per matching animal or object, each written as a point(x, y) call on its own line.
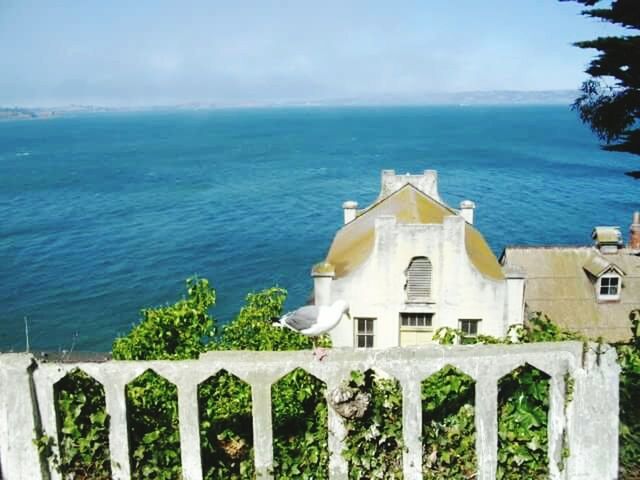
point(354, 242)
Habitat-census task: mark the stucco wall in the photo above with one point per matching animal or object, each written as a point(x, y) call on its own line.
point(459, 290)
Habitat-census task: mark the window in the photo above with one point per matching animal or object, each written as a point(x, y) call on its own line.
point(364, 332)
point(418, 285)
point(609, 288)
point(469, 328)
point(408, 319)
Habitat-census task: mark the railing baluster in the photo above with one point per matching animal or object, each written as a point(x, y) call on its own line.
point(338, 466)
point(189, 431)
point(18, 454)
point(556, 424)
point(262, 429)
point(46, 401)
point(486, 420)
point(412, 429)
point(116, 403)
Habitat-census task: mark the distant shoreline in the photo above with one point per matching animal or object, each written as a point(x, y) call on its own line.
point(462, 99)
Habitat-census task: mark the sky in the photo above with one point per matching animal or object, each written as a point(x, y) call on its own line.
point(155, 52)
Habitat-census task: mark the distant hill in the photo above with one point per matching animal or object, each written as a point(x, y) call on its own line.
point(18, 113)
point(496, 97)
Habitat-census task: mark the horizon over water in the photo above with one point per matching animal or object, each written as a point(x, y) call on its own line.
point(103, 215)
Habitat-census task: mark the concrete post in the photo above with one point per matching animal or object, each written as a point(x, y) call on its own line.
point(593, 416)
point(189, 430)
point(556, 425)
point(486, 420)
point(262, 429)
point(412, 429)
point(116, 404)
point(338, 466)
point(19, 457)
point(47, 406)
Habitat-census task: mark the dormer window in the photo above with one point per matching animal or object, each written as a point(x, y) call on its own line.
point(606, 278)
point(609, 287)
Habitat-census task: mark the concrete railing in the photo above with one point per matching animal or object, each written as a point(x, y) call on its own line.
point(589, 422)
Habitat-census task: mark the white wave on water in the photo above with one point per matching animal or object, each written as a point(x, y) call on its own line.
point(23, 154)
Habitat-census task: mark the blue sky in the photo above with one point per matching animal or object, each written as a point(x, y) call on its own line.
point(159, 52)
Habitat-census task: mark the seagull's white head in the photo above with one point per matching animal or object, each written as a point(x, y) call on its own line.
point(342, 307)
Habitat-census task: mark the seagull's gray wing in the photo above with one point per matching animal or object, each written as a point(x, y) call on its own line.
point(302, 318)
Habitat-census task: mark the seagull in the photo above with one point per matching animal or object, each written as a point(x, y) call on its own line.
point(313, 320)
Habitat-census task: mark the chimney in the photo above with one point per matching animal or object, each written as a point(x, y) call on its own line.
point(350, 210)
point(466, 210)
point(607, 239)
point(323, 274)
point(634, 232)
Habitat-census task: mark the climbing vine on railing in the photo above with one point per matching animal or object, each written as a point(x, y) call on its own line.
point(629, 359)
point(374, 434)
point(448, 426)
point(84, 427)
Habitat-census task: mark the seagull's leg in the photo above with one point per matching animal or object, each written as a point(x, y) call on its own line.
point(318, 352)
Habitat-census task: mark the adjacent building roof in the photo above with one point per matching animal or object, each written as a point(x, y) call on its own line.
point(354, 242)
point(561, 282)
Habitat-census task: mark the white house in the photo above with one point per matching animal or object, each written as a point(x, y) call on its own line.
point(409, 264)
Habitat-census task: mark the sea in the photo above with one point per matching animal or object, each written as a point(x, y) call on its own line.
point(104, 214)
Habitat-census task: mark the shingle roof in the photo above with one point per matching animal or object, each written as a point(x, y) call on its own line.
point(354, 242)
point(558, 285)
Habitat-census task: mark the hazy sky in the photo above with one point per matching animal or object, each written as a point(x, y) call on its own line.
point(159, 52)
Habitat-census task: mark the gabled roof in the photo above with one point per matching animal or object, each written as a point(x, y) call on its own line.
point(558, 285)
point(354, 242)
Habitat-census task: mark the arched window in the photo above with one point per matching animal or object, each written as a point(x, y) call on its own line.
point(418, 285)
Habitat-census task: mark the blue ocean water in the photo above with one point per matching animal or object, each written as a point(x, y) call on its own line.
point(102, 215)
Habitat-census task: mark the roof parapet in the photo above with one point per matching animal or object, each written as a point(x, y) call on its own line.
point(427, 183)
